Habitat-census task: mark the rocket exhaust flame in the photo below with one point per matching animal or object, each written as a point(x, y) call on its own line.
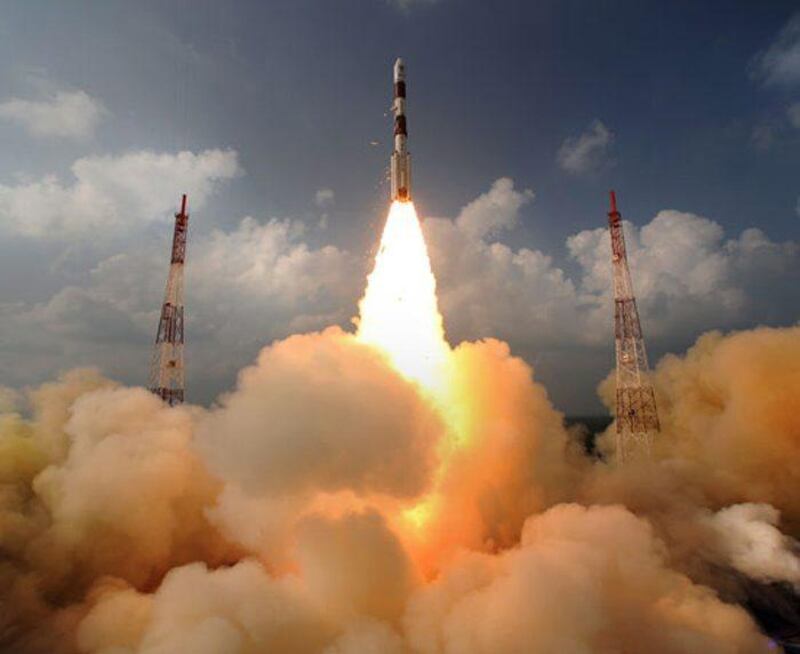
point(399, 315)
point(399, 312)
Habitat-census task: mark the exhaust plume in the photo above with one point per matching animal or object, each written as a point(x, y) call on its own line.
point(399, 313)
point(358, 493)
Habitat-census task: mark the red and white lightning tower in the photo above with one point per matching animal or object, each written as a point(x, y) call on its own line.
point(166, 370)
point(637, 416)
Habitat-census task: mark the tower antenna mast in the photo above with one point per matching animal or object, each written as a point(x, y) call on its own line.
point(636, 412)
point(166, 370)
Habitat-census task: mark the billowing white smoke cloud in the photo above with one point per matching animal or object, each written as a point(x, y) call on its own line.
point(128, 432)
point(322, 412)
point(729, 405)
point(750, 538)
point(355, 567)
point(276, 520)
point(236, 609)
point(581, 580)
point(729, 424)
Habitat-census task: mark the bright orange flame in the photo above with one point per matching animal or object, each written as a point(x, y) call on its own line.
point(399, 315)
point(399, 312)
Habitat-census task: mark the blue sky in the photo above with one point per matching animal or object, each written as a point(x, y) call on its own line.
point(690, 110)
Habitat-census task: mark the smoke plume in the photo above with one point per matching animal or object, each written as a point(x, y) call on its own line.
point(333, 503)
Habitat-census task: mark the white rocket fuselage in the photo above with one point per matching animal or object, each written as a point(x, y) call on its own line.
point(401, 160)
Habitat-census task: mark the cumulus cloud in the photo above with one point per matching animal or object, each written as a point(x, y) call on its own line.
point(494, 211)
point(262, 280)
point(72, 328)
point(113, 193)
point(66, 114)
point(76, 313)
point(487, 288)
point(779, 62)
point(245, 286)
point(587, 152)
point(688, 276)
point(244, 269)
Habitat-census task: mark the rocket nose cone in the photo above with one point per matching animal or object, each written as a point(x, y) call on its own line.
point(399, 68)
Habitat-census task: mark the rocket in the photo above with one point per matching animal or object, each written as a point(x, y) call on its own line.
point(401, 160)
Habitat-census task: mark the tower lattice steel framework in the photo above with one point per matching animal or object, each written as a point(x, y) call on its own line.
point(166, 371)
point(636, 414)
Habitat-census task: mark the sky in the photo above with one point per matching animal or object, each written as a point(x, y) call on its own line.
point(274, 117)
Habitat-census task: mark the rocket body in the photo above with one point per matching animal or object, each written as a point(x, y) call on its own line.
point(401, 160)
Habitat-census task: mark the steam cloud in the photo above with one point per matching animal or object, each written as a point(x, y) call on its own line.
point(277, 520)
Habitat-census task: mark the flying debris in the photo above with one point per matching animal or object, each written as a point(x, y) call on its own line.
point(401, 160)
